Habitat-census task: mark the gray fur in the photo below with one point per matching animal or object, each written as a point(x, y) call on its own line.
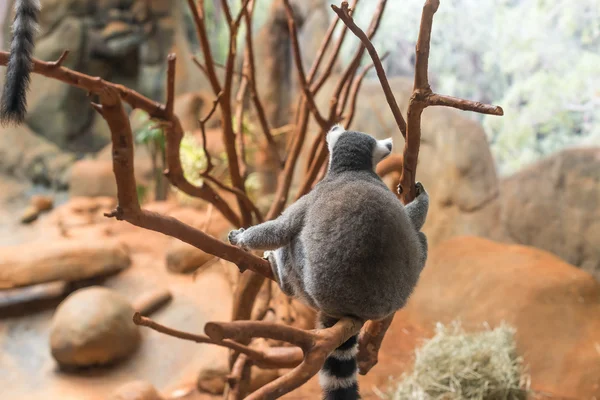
point(13, 103)
point(349, 247)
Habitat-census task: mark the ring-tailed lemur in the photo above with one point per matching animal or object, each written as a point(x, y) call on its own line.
point(347, 248)
point(13, 104)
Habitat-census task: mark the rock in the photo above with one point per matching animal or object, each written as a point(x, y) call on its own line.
point(60, 260)
point(37, 205)
point(136, 390)
point(193, 106)
point(95, 178)
point(57, 111)
point(554, 307)
point(41, 202)
point(93, 30)
point(212, 380)
point(90, 178)
point(25, 155)
point(29, 215)
point(93, 326)
point(554, 205)
point(182, 257)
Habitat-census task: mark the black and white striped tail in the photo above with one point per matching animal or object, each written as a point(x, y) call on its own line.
point(13, 104)
point(338, 377)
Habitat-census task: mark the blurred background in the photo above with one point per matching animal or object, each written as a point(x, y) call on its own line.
point(513, 228)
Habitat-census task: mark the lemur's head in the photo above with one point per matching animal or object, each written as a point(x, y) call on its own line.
point(355, 151)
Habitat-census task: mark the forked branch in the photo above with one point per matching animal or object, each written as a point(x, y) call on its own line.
point(307, 357)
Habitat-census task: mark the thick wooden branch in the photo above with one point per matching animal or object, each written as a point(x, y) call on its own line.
point(129, 209)
point(465, 105)
point(316, 346)
point(369, 343)
point(270, 357)
point(392, 163)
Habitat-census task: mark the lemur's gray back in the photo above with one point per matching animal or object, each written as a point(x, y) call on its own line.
point(361, 250)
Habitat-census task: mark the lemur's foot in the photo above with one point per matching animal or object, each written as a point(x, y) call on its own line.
point(234, 236)
point(419, 189)
point(266, 254)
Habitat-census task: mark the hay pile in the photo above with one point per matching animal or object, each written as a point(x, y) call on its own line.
point(455, 365)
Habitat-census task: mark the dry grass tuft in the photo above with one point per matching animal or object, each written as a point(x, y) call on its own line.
point(455, 365)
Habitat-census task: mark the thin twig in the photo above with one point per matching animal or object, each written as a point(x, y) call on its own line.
point(300, 68)
point(171, 60)
point(355, 90)
point(61, 59)
point(251, 74)
point(345, 16)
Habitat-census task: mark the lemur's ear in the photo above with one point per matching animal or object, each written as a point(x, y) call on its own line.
point(333, 135)
point(382, 149)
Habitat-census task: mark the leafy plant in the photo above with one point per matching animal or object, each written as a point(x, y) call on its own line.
point(150, 135)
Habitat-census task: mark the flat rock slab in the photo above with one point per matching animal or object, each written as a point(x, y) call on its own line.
point(61, 260)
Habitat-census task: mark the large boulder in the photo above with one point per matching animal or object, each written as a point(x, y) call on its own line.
point(95, 177)
point(93, 326)
point(182, 257)
point(553, 306)
point(124, 41)
point(28, 156)
point(554, 205)
point(455, 162)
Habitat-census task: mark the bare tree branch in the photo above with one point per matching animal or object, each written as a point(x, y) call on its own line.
point(345, 16)
point(300, 68)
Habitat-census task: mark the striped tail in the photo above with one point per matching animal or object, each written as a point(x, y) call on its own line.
point(338, 377)
point(13, 104)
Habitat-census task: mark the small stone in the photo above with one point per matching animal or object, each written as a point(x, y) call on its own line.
point(41, 202)
point(136, 390)
point(93, 326)
point(212, 380)
point(29, 215)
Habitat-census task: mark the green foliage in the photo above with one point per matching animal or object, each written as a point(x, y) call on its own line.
point(147, 132)
point(142, 192)
point(193, 159)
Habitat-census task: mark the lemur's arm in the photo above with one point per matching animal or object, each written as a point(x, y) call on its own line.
point(417, 209)
point(273, 234)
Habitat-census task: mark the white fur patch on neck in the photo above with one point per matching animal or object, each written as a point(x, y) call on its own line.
point(333, 135)
point(382, 149)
